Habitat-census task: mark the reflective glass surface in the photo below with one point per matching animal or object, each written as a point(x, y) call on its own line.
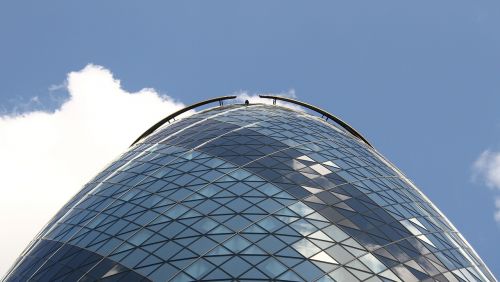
point(254, 192)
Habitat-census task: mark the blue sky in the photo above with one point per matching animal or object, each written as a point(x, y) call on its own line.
point(419, 79)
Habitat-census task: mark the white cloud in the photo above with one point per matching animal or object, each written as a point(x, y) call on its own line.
point(487, 166)
point(487, 169)
point(46, 157)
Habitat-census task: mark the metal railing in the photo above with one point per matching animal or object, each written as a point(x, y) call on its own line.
point(221, 99)
point(179, 112)
point(323, 112)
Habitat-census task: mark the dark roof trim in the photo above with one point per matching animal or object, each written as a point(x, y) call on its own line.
point(181, 111)
point(324, 113)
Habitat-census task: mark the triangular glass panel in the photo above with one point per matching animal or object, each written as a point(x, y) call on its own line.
point(254, 250)
point(236, 244)
point(272, 267)
point(114, 270)
point(305, 158)
point(321, 236)
point(217, 274)
point(254, 274)
point(290, 276)
point(313, 190)
point(324, 257)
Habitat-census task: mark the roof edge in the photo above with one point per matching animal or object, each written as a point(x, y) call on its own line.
point(221, 99)
point(179, 112)
point(340, 122)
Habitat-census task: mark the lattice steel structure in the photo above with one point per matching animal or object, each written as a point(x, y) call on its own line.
point(257, 192)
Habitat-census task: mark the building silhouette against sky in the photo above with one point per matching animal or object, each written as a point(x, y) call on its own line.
point(250, 192)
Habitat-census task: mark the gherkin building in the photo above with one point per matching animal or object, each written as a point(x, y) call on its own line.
point(250, 192)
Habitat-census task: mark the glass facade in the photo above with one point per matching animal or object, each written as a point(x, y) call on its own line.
point(255, 192)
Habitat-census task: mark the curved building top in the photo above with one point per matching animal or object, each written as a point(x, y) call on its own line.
point(250, 192)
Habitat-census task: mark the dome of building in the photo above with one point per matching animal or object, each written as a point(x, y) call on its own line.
point(250, 192)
